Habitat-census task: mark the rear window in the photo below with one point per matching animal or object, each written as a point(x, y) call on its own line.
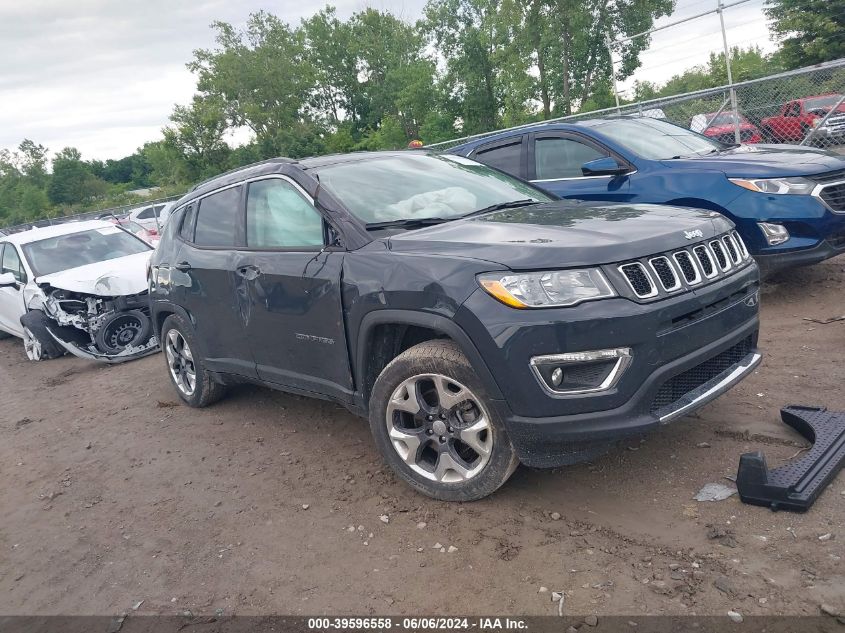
point(217, 218)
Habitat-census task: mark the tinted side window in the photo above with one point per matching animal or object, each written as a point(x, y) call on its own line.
point(504, 157)
point(562, 157)
point(12, 263)
point(278, 216)
point(217, 218)
point(146, 214)
point(189, 216)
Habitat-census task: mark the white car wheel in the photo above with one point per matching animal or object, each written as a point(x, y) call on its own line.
point(32, 345)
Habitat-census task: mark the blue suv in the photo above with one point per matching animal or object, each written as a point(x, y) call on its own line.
point(788, 202)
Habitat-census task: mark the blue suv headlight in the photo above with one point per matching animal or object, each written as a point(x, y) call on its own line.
point(794, 185)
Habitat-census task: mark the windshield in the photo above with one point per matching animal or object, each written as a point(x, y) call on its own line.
point(726, 118)
point(64, 252)
point(657, 140)
point(418, 186)
point(821, 103)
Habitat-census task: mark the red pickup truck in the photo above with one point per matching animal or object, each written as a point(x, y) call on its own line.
point(798, 117)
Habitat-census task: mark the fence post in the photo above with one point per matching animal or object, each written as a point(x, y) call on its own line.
point(613, 70)
point(721, 12)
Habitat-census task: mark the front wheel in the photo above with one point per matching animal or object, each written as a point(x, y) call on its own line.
point(431, 420)
point(194, 384)
point(37, 341)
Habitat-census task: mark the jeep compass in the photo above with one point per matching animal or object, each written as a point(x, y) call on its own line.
point(476, 321)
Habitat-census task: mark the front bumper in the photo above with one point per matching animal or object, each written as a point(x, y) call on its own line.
point(679, 363)
point(561, 440)
point(773, 262)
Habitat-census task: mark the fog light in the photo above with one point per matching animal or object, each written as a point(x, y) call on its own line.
point(774, 233)
point(580, 372)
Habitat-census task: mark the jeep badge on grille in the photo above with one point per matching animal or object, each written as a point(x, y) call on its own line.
point(691, 234)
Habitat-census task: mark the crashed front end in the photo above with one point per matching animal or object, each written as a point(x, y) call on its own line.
point(107, 320)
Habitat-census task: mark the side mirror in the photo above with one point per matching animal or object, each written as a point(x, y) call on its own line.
point(7, 279)
point(606, 166)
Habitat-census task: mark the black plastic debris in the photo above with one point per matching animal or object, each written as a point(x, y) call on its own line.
point(796, 485)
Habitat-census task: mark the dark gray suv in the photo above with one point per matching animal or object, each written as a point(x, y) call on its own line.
point(475, 320)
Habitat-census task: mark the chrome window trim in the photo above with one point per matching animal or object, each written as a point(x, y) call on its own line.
point(627, 173)
point(677, 285)
point(698, 274)
point(610, 381)
point(654, 291)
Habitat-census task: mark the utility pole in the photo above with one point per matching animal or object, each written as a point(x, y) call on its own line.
point(720, 11)
point(613, 70)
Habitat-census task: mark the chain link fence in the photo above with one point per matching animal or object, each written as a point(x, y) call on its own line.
point(799, 107)
point(112, 212)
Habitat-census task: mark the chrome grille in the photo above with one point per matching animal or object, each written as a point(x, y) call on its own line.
point(639, 280)
point(733, 249)
point(719, 252)
point(665, 273)
point(743, 250)
point(684, 261)
point(831, 189)
point(705, 260)
point(681, 269)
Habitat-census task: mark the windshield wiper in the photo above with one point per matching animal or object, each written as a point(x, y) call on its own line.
point(513, 204)
point(406, 223)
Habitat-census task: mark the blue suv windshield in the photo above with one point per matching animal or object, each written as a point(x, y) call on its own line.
point(421, 186)
point(657, 140)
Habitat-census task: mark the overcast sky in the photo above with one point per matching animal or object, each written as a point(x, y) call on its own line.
point(103, 75)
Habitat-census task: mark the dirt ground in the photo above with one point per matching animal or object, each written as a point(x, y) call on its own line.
point(112, 493)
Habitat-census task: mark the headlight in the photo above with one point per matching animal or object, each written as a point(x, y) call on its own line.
point(547, 289)
point(794, 185)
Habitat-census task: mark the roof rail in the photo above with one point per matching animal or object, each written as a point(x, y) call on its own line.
point(280, 159)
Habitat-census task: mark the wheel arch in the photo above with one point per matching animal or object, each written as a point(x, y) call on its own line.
point(385, 334)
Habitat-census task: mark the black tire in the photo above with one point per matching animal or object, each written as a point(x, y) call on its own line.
point(4, 335)
point(122, 330)
point(36, 322)
point(441, 359)
point(206, 390)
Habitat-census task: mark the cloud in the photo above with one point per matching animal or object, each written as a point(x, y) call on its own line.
point(103, 75)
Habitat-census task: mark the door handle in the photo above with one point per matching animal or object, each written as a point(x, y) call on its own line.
point(248, 272)
point(183, 267)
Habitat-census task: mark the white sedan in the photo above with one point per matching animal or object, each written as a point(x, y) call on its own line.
point(80, 288)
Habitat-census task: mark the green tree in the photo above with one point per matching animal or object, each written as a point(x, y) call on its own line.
point(197, 134)
point(262, 75)
point(811, 31)
point(72, 181)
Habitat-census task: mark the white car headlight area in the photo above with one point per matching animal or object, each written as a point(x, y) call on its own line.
point(547, 289)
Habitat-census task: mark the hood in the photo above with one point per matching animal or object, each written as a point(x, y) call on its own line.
point(564, 233)
point(727, 129)
point(765, 161)
point(112, 278)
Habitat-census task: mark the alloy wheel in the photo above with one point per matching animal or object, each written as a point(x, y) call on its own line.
point(180, 360)
point(32, 345)
point(439, 428)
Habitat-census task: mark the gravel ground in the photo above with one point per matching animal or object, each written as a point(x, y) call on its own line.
point(112, 494)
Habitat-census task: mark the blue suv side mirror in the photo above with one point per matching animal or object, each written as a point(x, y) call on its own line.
point(606, 166)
